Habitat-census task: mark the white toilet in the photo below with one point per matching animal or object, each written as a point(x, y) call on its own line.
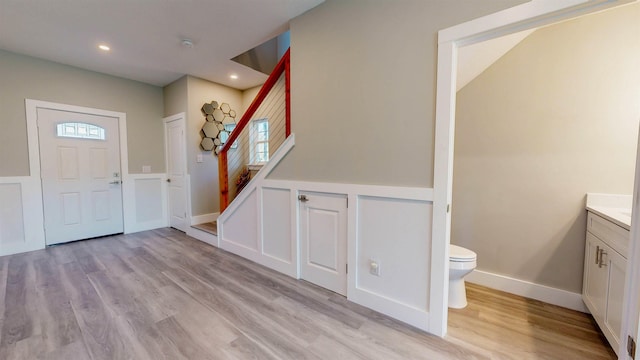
point(461, 262)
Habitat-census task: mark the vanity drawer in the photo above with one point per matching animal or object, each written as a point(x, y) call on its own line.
point(612, 234)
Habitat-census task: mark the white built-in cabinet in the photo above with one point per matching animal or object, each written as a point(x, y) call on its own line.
point(605, 263)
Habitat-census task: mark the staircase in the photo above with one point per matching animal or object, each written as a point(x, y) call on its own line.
point(209, 227)
point(258, 135)
point(271, 106)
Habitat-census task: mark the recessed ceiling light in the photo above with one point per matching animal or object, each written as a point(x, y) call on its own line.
point(104, 47)
point(233, 76)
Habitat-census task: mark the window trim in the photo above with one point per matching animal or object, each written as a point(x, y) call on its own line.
point(254, 142)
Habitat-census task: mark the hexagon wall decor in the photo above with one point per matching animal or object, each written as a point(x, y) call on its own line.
point(220, 120)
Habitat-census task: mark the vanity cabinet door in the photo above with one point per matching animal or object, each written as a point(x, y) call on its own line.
point(616, 266)
point(594, 289)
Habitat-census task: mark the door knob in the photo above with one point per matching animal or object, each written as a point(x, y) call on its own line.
point(303, 198)
point(168, 180)
point(117, 182)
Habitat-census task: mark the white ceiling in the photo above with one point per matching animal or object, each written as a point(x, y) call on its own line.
point(145, 35)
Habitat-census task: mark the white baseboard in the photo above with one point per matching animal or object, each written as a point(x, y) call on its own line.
point(204, 218)
point(555, 296)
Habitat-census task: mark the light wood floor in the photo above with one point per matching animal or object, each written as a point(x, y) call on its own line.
point(162, 295)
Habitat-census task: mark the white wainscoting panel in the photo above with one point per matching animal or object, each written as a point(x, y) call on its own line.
point(240, 231)
point(148, 200)
point(21, 212)
point(147, 208)
point(21, 219)
point(391, 225)
point(260, 223)
point(276, 225)
point(396, 234)
point(11, 219)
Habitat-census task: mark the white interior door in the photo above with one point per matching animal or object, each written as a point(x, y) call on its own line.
point(323, 240)
point(176, 172)
point(81, 178)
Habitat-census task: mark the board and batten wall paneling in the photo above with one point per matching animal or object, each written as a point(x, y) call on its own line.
point(11, 220)
point(276, 225)
point(387, 224)
point(396, 234)
point(149, 202)
point(21, 221)
point(390, 224)
point(240, 234)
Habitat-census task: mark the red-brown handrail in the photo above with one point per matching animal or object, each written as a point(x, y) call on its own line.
point(283, 66)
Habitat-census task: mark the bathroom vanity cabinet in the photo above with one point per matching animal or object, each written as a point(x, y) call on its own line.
point(605, 264)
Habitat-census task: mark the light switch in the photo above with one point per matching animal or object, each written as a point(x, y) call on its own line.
point(199, 158)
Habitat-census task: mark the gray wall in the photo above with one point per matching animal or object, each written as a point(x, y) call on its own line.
point(188, 94)
point(363, 89)
point(553, 119)
point(175, 97)
point(23, 77)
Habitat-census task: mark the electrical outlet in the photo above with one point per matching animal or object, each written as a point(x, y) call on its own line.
point(374, 267)
point(199, 158)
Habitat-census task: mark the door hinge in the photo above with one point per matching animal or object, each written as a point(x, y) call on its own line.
point(346, 268)
point(347, 203)
point(631, 347)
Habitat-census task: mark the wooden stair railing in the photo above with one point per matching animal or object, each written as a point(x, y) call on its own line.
point(283, 66)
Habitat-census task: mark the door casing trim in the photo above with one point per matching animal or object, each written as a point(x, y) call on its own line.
point(31, 107)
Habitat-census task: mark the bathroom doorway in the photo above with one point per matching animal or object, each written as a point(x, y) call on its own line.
point(497, 198)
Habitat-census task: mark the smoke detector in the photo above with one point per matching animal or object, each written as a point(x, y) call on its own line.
point(187, 43)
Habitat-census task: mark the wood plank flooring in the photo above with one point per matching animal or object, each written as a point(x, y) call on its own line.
point(163, 295)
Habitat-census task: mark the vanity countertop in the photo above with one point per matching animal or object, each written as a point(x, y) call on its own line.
point(615, 208)
point(618, 216)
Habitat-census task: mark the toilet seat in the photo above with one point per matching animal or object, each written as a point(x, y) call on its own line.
point(460, 254)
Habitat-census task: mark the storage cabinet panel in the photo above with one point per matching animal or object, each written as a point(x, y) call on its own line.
point(595, 279)
point(604, 275)
point(617, 267)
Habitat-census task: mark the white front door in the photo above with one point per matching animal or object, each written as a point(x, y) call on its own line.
point(176, 172)
point(81, 177)
point(323, 240)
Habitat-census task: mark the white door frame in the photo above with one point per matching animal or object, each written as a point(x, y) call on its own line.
point(128, 198)
point(187, 180)
point(529, 15)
